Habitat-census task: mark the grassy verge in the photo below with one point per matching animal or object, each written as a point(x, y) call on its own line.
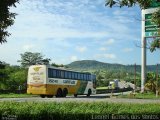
point(73, 110)
point(149, 95)
point(13, 95)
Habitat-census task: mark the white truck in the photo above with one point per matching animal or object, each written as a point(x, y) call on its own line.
point(113, 84)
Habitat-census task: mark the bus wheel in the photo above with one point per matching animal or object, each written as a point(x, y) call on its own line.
point(75, 95)
point(65, 92)
point(59, 92)
point(49, 96)
point(89, 92)
point(42, 96)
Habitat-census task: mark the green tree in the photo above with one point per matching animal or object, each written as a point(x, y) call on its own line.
point(151, 82)
point(143, 4)
point(45, 61)
point(6, 18)
point(100, 80)
point(3, 75)
point(18, 78)
point(29, 58)
point(14, 76)
point(57, 65)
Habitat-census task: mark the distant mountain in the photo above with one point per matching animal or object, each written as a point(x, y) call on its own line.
point(92, 65)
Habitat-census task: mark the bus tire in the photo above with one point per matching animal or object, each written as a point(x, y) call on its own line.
point(49, 96)
point(42, 96)
point(65, 92)
point(59, 92)
point(89, 92)
point(75, 95)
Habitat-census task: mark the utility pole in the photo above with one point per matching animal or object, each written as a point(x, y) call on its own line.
point(157, 82)
point(143, 54)
point(135, 78)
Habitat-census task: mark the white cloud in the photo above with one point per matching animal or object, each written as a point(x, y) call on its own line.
point(28, 47)
point(74, 58)
point(103, 49)
point(124, 13)
point(109, 42)
point(120, 12)
point(55, 27)
point(81, 48)
point(107, 56)
point(128, 49)
point(123, 19)
point(46, 20)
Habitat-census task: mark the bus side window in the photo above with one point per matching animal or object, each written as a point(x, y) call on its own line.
point(65, 74)
point(62, 74)
point(49, 73)
point(54, 73)
point(76, 76)
point(85, 77)
point(69, 75)
point(79, 76)
point(58, 73)
point(82, 76)
point(89, 77)
point(73, 75)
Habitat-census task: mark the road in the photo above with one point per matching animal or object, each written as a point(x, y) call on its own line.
point(82, 98)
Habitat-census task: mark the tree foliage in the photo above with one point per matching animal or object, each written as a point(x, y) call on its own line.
point(143, 4)
point(6, 18)
point(152, 82)
point(155, 44)
point(29, 58)
point(13, 77)
point(57, 65)
point(156, 19)
point(18, 78)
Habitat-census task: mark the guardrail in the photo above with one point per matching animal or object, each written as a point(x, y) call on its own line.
point(12, 91)
point(103, 91)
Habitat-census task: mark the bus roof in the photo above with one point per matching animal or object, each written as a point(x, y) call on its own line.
point(62, 68)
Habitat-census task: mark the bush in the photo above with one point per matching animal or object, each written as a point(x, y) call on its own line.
point(72, 110)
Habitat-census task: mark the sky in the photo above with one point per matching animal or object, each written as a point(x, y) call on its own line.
point(71, 30)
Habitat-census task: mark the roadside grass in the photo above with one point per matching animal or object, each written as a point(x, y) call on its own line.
point(148, 95)
point(73, 110)
point(13, 95)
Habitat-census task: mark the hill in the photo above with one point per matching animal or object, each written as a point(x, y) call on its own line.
point(92, 65)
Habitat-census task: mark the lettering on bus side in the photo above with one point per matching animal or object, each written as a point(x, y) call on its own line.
point(73, 82)
point(53, 81)
point(36, 73)
point(69, 81)
point(36, 78)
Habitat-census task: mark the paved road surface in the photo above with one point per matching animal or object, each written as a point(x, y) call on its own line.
point(93, 98)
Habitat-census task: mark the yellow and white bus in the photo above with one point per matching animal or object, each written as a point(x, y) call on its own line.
point(48, 81)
